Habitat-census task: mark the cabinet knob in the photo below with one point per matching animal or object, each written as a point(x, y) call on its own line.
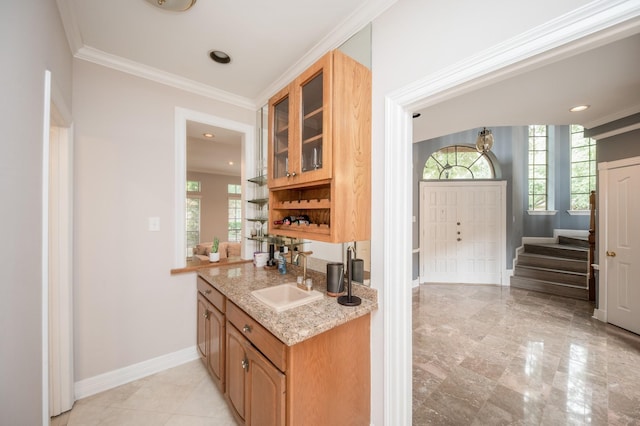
point(287, 174)
point(206, 314)
point(245, 364)
point(246, 328)
point(459, 239)
point(207, 291)
point(293, 174)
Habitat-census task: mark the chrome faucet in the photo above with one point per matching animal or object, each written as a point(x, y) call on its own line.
point(304, 268)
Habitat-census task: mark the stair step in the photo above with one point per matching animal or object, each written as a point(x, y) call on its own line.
point(550, 288)
point(579, 279)
point(552, 262)
point(573, 241)
point(558, 250)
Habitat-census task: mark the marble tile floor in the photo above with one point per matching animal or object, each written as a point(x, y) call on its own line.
point(180, 396)
point(489, 355)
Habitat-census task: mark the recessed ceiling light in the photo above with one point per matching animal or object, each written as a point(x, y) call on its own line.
point(220, 57)
point(208, 135)
point(579, 108)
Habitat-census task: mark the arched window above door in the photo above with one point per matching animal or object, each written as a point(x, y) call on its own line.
point(458, 162)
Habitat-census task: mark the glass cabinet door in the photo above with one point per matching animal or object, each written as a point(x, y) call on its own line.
point(281, 139)
point(312, 124)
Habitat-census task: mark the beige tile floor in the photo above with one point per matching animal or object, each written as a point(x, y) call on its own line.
point(181, 396)
point(483, 355)
point(487, 355)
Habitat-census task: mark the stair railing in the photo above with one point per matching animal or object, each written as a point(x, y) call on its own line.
point(592, 245)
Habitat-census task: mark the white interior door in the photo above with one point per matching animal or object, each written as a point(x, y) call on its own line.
point(462, 231)
point(623, 248)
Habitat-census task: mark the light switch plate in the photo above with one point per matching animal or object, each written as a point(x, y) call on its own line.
point(154, 224)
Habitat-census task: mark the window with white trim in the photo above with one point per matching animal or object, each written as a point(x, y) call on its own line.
point(583, 168)
point(192, 216)
point(235, 212)
point(538, 167)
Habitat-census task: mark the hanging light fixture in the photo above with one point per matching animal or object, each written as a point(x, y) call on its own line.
point(484, 141)
point(173, 5)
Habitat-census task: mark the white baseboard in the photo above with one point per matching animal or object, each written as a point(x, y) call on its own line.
point(600, 315)
point(112, 379)
point(415, 283)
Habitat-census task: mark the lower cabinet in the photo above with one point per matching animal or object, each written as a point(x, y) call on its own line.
point(255, 387)
point(324, 380)
point(211, 331)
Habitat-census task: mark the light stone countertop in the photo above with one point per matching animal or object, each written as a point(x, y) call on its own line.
point(295, 325)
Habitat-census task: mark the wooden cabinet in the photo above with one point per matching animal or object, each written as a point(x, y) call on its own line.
point(322, 380)
point(319, 161)
point(211, 331)
point(255, 386)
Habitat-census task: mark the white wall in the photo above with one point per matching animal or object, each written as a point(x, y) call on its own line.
point(31, 41)
point(412, 40)
point(128, 308)
point(214, 205)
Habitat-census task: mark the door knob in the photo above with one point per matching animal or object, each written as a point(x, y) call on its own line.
point(611, 253)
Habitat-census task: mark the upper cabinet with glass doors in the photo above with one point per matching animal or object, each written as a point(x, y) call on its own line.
point(319, 160)
point(300, 148)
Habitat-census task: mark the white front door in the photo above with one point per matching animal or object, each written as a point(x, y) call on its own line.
point(622, 255)
point(462, 231)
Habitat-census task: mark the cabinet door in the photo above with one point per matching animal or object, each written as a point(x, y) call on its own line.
point(236, 366)
point(265, 391)
point(216, 345)
point(282, 154)
point(203, 325)
point(313, 108)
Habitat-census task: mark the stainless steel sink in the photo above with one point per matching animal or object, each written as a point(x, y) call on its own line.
point(286, 296)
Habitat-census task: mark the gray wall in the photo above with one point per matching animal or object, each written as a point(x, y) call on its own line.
point(510, 155)
point(626, 145)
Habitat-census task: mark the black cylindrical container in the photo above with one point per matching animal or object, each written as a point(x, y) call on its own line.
point(335, 278)
point(357, 270)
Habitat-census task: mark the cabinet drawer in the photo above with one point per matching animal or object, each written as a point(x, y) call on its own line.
point(261, 338)
point(214, 296)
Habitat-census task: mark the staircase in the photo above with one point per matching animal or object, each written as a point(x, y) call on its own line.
point(561, 268)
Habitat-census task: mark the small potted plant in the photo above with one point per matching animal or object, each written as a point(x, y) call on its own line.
point(214, 256)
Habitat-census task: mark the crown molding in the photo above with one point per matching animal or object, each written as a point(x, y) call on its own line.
point(566, 34)
point(134, 68)
point(635, 109)
point(342, 32)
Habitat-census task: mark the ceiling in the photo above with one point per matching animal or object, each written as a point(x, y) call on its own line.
point(606, 77)
point(270, 43)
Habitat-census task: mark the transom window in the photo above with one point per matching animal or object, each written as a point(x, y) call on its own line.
point(458, 162)
point(583, 168)
point(538, 162)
